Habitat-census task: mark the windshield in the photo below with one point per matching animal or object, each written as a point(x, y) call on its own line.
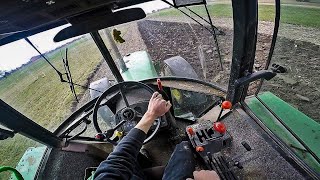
point(33, 87)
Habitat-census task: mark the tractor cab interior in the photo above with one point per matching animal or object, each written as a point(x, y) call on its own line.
point(232, 131)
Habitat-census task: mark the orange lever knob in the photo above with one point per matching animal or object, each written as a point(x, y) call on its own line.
point(190, 131)
point(226, 105)
point(199, 149)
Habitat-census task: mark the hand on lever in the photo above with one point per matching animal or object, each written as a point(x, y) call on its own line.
point(157, 107)
point(205, 175)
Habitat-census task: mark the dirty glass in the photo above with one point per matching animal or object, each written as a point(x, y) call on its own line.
point(187, 2)
point(167, 34)
point(12, 150)
point(192, 105)
point(30, 85)
point(296, 57)
point(34, 88)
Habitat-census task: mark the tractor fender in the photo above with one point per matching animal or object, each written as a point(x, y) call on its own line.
point(178, 66)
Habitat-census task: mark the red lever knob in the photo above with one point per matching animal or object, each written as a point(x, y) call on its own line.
point(226, 105)
point(99, 136)
point(199, 149)
point(159, 84)
point(190, 131)
point(220, 127)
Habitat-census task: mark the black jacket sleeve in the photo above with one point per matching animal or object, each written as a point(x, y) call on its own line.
point(121, 162)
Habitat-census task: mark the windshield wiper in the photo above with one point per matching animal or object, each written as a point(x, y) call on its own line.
point(67, 73)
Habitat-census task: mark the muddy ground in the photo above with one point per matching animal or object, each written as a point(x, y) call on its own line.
point(163, 39)
point(299, 85)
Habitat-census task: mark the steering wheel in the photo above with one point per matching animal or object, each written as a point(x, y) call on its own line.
point(128, 113)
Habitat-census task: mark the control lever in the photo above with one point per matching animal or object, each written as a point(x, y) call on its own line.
point(159, 84)
point(108, 134)
point(224, 105)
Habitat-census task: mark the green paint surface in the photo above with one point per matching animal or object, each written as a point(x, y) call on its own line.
point(306, 128)
point(139, 66)
point(30, 162)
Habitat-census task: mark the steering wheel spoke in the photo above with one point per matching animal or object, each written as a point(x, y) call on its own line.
point(121, 90)
point(138, 114)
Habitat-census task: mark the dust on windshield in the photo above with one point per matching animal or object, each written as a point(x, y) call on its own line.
point(33, 87)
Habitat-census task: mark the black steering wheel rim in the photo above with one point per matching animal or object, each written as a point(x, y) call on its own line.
point(115, 88)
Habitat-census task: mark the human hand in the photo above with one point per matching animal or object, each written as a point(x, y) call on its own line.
point(205, 175)
point(157, 105)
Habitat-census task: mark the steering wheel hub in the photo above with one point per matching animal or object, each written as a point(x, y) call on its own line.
point(128, 114)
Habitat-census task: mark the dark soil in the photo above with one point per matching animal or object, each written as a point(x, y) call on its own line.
point(168, 39)
point(300, 86)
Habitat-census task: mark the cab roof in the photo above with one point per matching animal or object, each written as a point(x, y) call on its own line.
point(23, 18)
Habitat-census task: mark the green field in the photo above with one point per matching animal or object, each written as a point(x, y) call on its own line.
point(298, 15)
point(35, 90)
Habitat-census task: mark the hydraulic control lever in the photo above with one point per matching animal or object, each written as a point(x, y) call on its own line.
point(109, 133)
point(224, 105)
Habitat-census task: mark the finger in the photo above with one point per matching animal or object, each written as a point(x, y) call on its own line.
point(195, 174)
point(168, 104)
point(159, 96)
point(214, 173)
point(154, 95)
point(162, 102)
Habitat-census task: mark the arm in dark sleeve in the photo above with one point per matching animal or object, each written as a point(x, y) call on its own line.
point(120, 163)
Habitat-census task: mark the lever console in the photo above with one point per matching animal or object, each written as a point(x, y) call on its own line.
point(208, 139)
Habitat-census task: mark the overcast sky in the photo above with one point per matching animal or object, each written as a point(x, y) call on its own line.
point(17, 53)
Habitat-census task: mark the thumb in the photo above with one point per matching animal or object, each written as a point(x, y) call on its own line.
point(168, 105)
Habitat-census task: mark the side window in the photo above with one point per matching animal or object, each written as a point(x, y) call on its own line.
point(296, 58)
point(18, 152)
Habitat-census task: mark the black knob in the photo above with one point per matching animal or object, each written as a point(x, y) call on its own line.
point(246, 145)
point(238, 164)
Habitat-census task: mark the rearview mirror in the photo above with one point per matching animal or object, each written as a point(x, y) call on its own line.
point(95, 23)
